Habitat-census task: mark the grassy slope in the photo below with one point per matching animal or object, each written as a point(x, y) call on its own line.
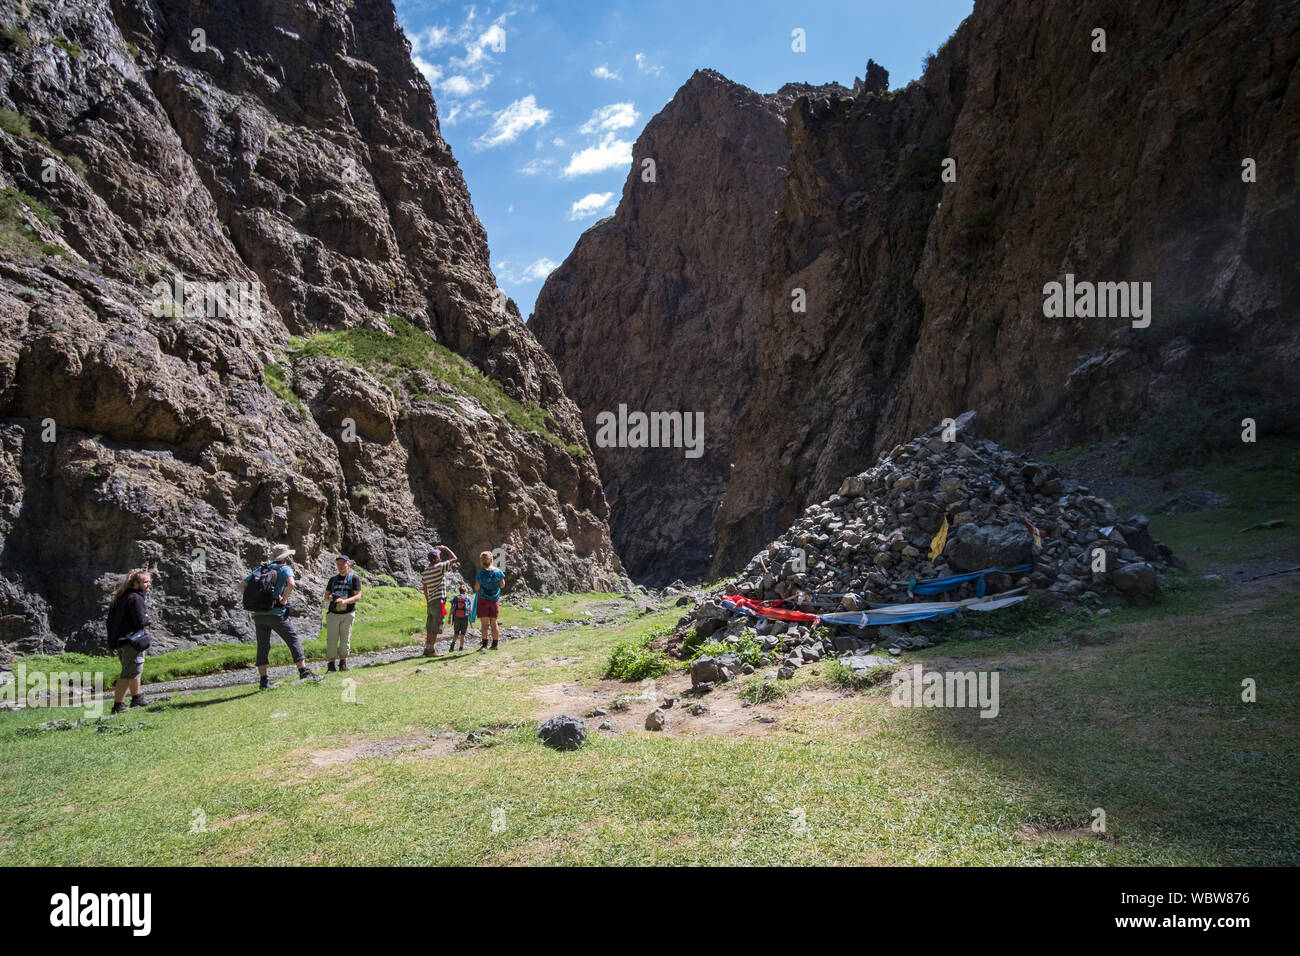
point(1138, 713)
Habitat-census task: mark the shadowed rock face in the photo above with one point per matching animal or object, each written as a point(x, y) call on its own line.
point(925, 298)
point(653, 308)
point(295, 151)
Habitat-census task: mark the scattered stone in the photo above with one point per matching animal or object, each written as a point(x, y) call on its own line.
point(598, 712)
point(697, 709)
point(705, 670)
point(606, 725)
point(668, 702)
point(785, 673)
point(563, 733)
point(862, 663)
point(655, 720)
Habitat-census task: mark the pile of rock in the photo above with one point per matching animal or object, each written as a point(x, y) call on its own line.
point(866, 542)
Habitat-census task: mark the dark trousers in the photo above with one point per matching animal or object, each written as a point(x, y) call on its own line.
point(265, 624)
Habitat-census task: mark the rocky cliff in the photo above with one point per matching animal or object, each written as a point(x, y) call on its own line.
point(654, 307)
point(923, 297)
point(245, 300)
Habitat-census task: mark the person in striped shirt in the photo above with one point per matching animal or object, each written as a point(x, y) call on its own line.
point(434, 580)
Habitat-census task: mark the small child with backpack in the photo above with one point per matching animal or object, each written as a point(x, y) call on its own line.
point(460, 607)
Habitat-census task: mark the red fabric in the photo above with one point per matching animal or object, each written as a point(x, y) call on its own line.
point(487, 608)
point(763, 609)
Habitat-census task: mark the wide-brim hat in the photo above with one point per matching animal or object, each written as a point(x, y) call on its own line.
point(282, 554)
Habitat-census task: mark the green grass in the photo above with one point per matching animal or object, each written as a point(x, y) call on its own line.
point(15, 36)
point(14, 123)
point(15, 234)
point(1149, 727)
point(408, 349)
point(70, 47)
point(277, 380)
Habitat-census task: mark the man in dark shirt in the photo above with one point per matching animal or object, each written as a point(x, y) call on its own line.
point(342, 592)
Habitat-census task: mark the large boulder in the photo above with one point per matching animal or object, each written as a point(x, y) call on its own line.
point(976, 547)
point(1134, 580)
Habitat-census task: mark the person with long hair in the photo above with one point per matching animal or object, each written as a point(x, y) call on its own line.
point(128, 618)
point(487, 586)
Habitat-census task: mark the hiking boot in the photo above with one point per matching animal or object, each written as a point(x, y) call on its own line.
point(430, 650)
point(483, 646)
point(264, 684)
point(494, 645)
point(304, 673)
point(138, 700)
point(343, 665)
point(329, 668)
point(118, 708)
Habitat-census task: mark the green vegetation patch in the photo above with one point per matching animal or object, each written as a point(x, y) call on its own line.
point(277, 380)
point(408, 349)
point(15, 234)
point(636, 660)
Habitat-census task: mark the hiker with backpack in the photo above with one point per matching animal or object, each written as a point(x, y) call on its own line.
point(460, 611)
point(128, 617)
point(266, 592)
point(434, 582)
point(487, 588)
point(343, 591)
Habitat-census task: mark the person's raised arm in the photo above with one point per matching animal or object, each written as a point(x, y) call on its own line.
point(447, 553)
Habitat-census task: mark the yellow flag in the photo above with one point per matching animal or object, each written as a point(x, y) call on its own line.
point(940, 540)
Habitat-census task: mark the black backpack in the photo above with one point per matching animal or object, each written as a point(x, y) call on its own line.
point(260, 591)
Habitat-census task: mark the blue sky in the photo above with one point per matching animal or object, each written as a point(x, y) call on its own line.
point(541, 102)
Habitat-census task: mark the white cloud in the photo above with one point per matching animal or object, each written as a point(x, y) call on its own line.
point(609, 118)
point(603, 72)
point(590, 205)
point(539, 269)
point(461, 85)
point(535, 167)
point(643, 64)
point(430, 39)
point(609, 154)
point(507, 124)
point(463, 111)
point(463, 74)
point(431, 72)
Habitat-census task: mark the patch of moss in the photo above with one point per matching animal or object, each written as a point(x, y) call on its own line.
point(70, 47)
